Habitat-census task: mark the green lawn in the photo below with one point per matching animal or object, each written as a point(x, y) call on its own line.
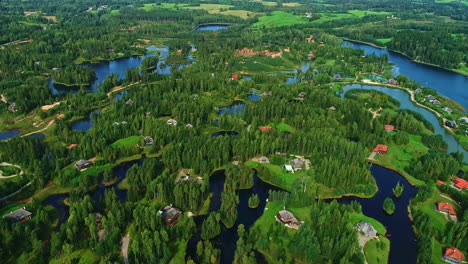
point(376, 255)
point(279, 19)
point(80, 257)
point(465, 2)
point(438, 220)
point(325, 17)
point(283, 127)
point(362, 13)
point(399, 157)
point(355, 218)
point(127, 142)
point(384, 40)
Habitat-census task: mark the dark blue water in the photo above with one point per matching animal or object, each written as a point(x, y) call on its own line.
point(212, 27)
point(85, 124)
point(120, 66)
point(8, 134)
point(405, 103)
point(37, 135)
point(403, 248)
point(56, 201)
point(447, 83)
point(224, 133)
point(237, 108)
point(247, 216)
point(254, 96)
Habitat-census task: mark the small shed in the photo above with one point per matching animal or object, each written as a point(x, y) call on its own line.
point(337, 78)
point(12, 107)
point(235, 76)
point(72, 146)
point(20, 215)
point(266, 128)
point(389, 127)
point(266, 94)
point(392, 82)
point(288, 168)
point(129, 102)
point(82, 164)
point(301, 95)
point(189, 125)
point(264, 159)
point(367, 228)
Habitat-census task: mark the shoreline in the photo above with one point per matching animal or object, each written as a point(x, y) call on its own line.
point(413, 100)
point(408, 57)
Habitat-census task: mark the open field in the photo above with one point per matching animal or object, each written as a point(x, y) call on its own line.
point(325, 17)
point(278, 19)
point(362, 13)
point(384, 40)
point(374, 254)
point(465, 2)
point(127, 142)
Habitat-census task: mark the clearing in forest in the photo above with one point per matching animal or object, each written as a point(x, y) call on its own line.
point(279, 19)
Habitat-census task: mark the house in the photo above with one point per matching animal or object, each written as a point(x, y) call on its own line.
point(12, 107)
point(171, 122)
point(331, 85)
point(337, 78)
point(266, 128)
point(435, 102)
point(429, 97)
point(332, 108)
point(381, 149)
point(129, 102)
point(82, 164)
point(234, 76)
point(418, 91)
point(148, 141)
point(389, 127)
point(460, 183)
point(297, 163)
point(446, 208)
point(189, 125)
point(301, 95)
point(288, 168)
point(263, 159)
point(453, 255)
point(123, 123)
point(266, 94)
point(447, 110)
point(171, 215)
point(440, 182)
point(450, 123)
point(392, 82)
point(20, 215)
point(463, 119)
point(367, 228)
point(288, 219)
point(72, 146)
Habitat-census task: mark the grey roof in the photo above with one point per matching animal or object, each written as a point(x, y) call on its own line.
point(463, 119)
point(297, 163)
point(367, 228)
point(18, 215)
point(82, 162)
point(418, 91)
point(264, 159)
point(129, 102)
point(448, 110)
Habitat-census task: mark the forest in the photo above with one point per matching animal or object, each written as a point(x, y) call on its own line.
point(215, 103)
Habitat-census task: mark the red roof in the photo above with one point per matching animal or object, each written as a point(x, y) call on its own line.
point(454, 253)
point(72, 146)
point(389, 127)
point(446, 207)
point(440, 182)
point(235, 76)
point(266, 128)
point(460, 183)
point(380, 148)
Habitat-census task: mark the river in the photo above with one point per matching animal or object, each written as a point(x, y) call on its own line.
point(447, 83)
point(405, 103)
point(212, 27)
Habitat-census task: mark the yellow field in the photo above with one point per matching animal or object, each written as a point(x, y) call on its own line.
point(291, 4)
point(221, 9)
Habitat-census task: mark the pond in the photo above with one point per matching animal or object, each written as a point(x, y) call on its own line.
point(254, 96)
point(447, 83)
point(212, 27)
point(238, 108)
point(247, 216)
point(85, 124)
point(224, 133)
point(405, 103)
point(8, 134)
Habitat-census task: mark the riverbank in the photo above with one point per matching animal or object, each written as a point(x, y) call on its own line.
point(439, 116)
point(408, 57)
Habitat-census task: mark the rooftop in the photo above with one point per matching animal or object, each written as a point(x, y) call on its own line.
point(18, 214)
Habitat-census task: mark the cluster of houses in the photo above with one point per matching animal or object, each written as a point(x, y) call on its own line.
point(287, 218)
point(432, 100)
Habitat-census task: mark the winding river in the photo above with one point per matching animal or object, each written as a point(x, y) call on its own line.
point(405, 103)
point(447, 83)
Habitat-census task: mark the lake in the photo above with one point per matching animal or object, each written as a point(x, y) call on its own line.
point(211, 27)
point(238, 108)
point(8, 134)
point(405, 103)
point(447, 83)
point(85, 124)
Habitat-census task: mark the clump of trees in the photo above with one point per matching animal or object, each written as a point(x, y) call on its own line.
point(389, 206)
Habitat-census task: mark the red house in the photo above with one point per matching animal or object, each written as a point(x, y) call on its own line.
point(235, 76)
point(440, 182)
point(266, 128)
point(389, 127)
point(72, 146)
point(445, 207)
point(381, 149)
point(460, 183)
point(453, 255)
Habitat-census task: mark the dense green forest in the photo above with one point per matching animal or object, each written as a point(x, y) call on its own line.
point(85, 216)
